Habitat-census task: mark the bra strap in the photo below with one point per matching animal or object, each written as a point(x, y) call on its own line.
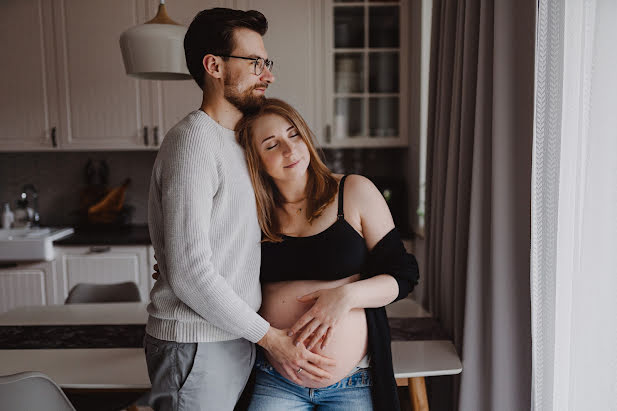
point(340, 214)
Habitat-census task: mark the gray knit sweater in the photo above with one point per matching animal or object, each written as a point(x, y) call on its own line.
point(203, 225)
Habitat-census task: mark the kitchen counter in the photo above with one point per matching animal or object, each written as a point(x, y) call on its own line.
point(129, 235)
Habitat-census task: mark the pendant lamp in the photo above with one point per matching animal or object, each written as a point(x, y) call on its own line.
point(155, 50)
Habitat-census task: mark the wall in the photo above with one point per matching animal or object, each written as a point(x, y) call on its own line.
point(60, 176)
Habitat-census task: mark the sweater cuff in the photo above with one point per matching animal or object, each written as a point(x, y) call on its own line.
point(257, 330)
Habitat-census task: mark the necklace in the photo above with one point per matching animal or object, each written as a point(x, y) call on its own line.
point(299, 210)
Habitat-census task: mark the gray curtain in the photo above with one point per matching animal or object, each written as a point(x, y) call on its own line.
point(479, 153)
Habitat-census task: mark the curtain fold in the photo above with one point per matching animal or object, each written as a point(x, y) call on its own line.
point(479, 152)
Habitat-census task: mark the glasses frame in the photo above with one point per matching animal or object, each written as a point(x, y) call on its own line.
point(256, 62)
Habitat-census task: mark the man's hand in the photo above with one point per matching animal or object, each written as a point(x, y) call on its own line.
point(319, 323)
point(156, 274)
point(294, 357)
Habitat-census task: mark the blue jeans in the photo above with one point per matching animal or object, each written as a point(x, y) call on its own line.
point(275, 392)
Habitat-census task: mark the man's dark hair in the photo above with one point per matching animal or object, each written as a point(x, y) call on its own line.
point(211, 32)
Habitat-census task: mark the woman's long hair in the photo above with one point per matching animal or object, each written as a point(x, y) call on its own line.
point(321, 186)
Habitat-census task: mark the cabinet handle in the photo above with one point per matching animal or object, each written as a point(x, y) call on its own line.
point(156, 135)
point(328, 133)
point(100, 249)
point(54, 143)
point(146, 136)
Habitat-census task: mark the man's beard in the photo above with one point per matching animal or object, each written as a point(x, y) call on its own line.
point(246, 102)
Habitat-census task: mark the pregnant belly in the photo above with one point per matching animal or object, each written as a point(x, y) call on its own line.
point(349, 343)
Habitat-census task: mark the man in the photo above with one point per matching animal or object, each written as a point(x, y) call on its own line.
point(203, 223)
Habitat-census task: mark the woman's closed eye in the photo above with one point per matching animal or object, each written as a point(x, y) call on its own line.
point(276, 144)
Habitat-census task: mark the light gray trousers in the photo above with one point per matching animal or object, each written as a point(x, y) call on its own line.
point(197, 376)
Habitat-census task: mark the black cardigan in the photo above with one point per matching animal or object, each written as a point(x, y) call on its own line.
point(387, 257)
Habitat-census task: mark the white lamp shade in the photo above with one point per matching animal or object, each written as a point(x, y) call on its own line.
point(155, 52)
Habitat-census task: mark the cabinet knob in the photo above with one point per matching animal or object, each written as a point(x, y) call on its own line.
point(54, 143)
point(146, 136)
point(156, 135)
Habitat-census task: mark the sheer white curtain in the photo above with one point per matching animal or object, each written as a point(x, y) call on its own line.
point(574, 207)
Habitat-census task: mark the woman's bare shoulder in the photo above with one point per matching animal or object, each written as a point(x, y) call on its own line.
point(369, 205)
point(360, 188)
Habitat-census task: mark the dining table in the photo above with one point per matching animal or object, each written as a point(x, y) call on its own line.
point(98, 346)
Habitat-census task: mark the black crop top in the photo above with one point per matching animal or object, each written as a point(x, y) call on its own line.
point(335, 253)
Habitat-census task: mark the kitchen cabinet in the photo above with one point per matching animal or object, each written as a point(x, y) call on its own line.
point(365, 54)
point(26, 284)
point(83, 100)
point(101, 265)
point(28, 94)
point(64, 86)
point(100, 107)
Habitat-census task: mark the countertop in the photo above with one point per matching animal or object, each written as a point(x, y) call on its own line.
point(125, 235)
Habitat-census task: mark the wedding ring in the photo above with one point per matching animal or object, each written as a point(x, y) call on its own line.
point(299, 369)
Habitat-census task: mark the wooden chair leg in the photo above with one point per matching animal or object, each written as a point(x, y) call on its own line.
point(417, 394)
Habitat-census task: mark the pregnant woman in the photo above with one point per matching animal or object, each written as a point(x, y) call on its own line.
point(331, 259)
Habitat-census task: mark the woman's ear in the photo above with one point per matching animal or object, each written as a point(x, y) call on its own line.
point(212, 66)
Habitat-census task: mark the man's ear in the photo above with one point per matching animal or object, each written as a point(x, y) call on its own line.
point(212, 66)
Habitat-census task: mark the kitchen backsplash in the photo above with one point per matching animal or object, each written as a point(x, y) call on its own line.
point(59, 176)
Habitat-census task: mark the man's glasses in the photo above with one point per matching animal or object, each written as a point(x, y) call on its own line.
point(258, 63)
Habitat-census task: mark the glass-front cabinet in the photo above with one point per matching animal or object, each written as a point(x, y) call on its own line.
point(366, 59)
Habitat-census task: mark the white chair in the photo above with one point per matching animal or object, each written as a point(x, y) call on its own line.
point(103, 293)
point(26, 391)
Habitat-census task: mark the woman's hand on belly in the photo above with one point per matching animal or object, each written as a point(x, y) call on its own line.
point(347, 348)
point(320, 322)
point(282, 308)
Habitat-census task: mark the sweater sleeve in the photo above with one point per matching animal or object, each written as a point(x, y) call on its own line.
point(390, 257)
point(189, 181)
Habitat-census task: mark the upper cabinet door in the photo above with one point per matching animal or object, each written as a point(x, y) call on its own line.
point(27, 84)
point(291, 41)
point(100, 106)
point(175, 99)
point(366, 88)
